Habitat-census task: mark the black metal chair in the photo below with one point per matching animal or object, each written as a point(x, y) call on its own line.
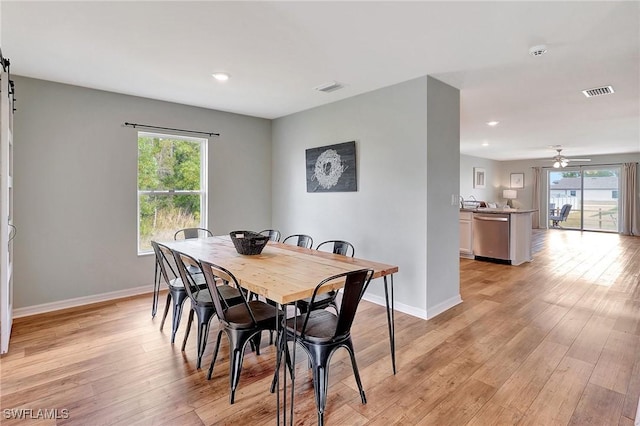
point(321, 333)
point(242, 323)
point(300, 240)
point(344, 248)
point(189, 233)
point(325, 300)
point(177, 294)
point(273, 234)
point(201, 302)
point(186, 233)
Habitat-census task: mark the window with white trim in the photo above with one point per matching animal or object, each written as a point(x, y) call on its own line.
point(172, 186)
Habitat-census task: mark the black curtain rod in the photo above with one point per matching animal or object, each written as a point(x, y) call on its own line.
point(145, 126)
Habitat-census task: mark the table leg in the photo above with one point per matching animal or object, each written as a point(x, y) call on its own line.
point(279, 339)
point(282, 355)
point(293, 358)
point(390, 320)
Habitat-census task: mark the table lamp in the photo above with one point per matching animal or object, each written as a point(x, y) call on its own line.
point(509, 194)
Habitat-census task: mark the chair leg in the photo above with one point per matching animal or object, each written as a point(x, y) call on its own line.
point(320, 385)
point(166, 310)
point(237, 343)
point(349, 347)
point(235, 356)
point(255, 342)
point(215, 355)
point(177, 313)
point(203, 334)
point(186, 333)
point(156, 291)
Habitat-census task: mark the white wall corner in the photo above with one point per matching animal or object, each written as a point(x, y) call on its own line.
point(80, 301)
point(441, 307)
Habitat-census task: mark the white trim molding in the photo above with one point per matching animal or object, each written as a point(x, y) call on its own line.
point(401, 307)
point(80, 301)
point(441, 307)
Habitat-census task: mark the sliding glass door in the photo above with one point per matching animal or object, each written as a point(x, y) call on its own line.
point(593, 192)
point(601, 205)
point(565, 194)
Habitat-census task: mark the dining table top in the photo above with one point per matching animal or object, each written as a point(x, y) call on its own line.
point(283, 273)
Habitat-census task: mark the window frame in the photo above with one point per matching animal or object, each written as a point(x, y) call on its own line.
point(204, 181)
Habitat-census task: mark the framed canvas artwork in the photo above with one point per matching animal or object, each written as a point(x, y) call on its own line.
point(517, 180)
point(332, 168)
point(479, 178)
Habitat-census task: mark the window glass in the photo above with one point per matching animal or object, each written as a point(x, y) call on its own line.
point(171, 186)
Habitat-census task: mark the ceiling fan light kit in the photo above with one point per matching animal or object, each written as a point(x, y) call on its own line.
point(560, 161)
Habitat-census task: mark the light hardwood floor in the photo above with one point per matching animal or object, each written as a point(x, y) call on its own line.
point(555, 341)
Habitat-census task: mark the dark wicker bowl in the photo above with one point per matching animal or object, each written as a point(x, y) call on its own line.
point(248, 242)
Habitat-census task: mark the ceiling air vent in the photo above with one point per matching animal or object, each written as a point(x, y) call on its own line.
point(329, 87)
point(598, 91)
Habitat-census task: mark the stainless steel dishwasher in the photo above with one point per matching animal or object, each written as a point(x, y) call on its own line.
point(491, 236)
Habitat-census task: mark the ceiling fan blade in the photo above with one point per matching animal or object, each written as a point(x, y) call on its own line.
point(578, 159)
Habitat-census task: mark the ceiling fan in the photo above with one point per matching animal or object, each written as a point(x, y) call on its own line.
point(560, 160)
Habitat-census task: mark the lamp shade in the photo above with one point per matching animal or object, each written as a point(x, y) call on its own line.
point(509, 194)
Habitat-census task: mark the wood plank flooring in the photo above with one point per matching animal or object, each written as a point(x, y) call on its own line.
point(552, 342)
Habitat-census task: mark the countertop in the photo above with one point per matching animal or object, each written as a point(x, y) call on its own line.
point(498, 211)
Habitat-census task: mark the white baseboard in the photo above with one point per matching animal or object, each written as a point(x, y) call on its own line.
point(410, 310)
point(441, 307)
point(79, 301)
point(413, 311)
point(104, 297)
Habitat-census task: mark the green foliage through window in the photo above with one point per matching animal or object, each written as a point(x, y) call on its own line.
point(169, 186)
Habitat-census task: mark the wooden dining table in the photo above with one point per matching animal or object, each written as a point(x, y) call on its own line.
point(285, 273)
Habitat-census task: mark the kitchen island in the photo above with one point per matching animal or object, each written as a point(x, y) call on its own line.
point(502, 234)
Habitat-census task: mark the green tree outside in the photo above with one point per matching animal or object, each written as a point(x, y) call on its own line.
point(167, 164)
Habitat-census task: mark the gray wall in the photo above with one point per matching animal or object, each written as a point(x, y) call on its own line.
point(443, 171)
point(492, 192)
point(75, 185)
point(386, 219)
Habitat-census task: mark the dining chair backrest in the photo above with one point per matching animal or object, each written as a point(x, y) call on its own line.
point(215, 275)
point(300, 240)
point(273, 234)
point(166, 263)
point(191, 233)
point(344, 248)
point(185, 265)
point(356, 283)
point(564, 212)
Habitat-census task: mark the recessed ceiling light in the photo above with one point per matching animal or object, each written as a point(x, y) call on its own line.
point(538, 50)
point(221, 76)
point(492, 123)
point(485, 143)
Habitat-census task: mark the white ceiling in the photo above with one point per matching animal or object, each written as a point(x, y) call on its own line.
point(277, 52)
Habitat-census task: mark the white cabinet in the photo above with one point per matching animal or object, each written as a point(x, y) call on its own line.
point(520, 243)
point(466, 234)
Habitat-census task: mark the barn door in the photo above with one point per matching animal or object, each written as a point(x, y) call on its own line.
point(7, 229)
